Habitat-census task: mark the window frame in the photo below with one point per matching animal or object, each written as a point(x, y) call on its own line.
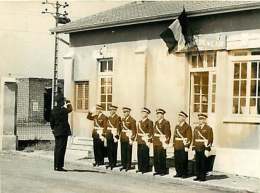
point(105, 74)
point(76, 83)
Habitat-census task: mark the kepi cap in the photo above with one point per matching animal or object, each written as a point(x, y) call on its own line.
point(146, 110)
point(126, 109)
point(202, 116)
point(182, 113)
point(160, 111)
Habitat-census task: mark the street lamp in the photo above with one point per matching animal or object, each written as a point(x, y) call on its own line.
point(60, 18)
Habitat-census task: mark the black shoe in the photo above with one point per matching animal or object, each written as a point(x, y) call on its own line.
point(137, 171)
point(184, 176)
point(196, 179)
point(162, 174)
point(107, 166)
point(156, 173)
point(177, 176)
point(94, 164)
point(111, 168)
point(61, 170)
point(123, 168)
point(202, 180)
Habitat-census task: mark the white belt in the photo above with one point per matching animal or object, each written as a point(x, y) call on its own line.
point(200, 140)
point(111, 128)
point(157, 135)
point(98, 128)
point(178, 139)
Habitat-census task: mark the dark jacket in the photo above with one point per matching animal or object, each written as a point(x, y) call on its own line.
point(114, 122)
point(186, 132)
point(59, 120)
point(99, 121)
point(147, 127)
point(130, 123)
point(207, 133)
point(165, 128)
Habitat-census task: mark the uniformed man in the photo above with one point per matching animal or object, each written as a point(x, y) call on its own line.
point(181, 142)
point(161, 139)
point(61, 130)
point(144, 137)
point(127, 137)
point(113, 132)
point(98, 134)
point(202, 142)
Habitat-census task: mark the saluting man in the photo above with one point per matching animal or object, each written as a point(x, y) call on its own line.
point(98, 134)
point(161, 139)
point(202, 141)
point(144, 135)
point(127, 137)
point(113, 132)
point(181, 142)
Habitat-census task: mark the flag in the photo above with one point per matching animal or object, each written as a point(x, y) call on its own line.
point(176, 35)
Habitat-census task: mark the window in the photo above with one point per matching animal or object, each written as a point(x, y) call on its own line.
point(203, 60)
point(82, 92)
point(213, 94)
point(200, 103)
point(105, 77)
point(246, 87)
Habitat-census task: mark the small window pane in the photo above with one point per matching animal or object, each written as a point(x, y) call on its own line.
point(109, 98)
point(204, 89)
point(110, 65)
point(237, 70)
point(200, 60)
point(102, 90)
point(210, 60)
point(197, 98)
point(242, 106)
point(194, 61)
point(103, 98)
point(196, 108)
point(253, 69)
point(204, 98)
point(213, 98)
point(243, 88)
point(235, 105)
point(204, 108)
point(214, 78)
point(196, 80)
point(197, 89)
point(213, 108)
point(214, 88)
point(258, 105)
point(253, 108)
point(205, 79)
point(103, 66)
point(236, 88)
point(258, 88)
point(243, 70)
point(253, 88)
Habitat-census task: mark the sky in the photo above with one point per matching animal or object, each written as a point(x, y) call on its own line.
point(26, 45)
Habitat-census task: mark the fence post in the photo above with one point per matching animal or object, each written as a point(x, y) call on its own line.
point(8, 138)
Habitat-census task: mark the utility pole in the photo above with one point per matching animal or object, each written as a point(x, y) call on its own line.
point(60, 18)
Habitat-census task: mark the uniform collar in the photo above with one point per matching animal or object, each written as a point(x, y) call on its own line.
point(143, 120)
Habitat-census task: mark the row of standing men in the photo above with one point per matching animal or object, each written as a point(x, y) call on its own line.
point(109, 130)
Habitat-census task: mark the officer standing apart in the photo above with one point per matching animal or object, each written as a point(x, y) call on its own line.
point(181, 142)
point(113, 132)
point(127, 137)
point(202, 142)
point(98, 134)
point(161, 139)
point(144, 137)
point(61, 130)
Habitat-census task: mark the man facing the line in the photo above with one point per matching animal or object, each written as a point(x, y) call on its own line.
point(113, 132)
point(144, 135)
point(98, 134)
point(127, 137)
point(181, 142)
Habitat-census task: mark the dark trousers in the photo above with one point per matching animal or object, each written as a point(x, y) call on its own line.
point(99, 151)
point(200, 159)
point(112, 152)
point(143, 157)
point(181, 162)
point(126, 154)
point(59, 151)
point(160, 160)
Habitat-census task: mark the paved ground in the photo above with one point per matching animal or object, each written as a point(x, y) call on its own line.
point(23, 174)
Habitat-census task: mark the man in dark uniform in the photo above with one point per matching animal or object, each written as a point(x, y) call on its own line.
point(127, 137)
point(98, 134)
point(144, 135)
point(161, 139)
point(181, 142)
point(202, 142)
point(113, 132)
point(61, 130)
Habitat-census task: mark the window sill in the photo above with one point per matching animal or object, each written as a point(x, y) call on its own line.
point(251, 119)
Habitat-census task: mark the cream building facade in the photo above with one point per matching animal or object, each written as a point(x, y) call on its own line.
point(124, 62)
